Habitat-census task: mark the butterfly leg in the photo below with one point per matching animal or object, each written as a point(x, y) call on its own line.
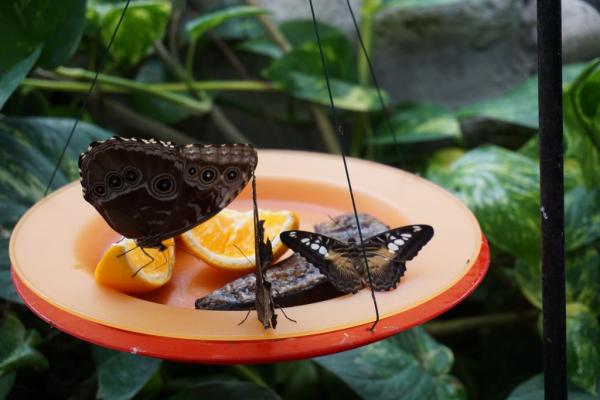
point(244, 320)
point(141, 268)
point(166, 261)
point(281, 308)
point(122, 238)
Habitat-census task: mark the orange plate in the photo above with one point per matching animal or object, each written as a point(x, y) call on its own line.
point(57, 244)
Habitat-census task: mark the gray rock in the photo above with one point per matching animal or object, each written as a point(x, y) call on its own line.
point(457, 54)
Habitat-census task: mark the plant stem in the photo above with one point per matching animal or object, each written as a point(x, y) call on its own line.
point(70, 86)
point(328, 134)
point(486, 321)
point(198, 107)
point(361, 124)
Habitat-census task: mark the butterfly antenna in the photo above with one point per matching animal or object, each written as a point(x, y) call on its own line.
point(340, 141)
point(86, 98)
point(185, 251)
point(251, 263)
point(338, 224)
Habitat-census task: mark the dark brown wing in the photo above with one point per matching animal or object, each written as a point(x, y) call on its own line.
point(331, 256)
point(133, 184)
point(151, 191)
point(388, 252)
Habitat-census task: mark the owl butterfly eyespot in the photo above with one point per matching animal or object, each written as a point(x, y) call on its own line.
point(151, 190)
point(343, 264)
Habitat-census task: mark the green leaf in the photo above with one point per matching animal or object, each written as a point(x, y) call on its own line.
point(198, 26)
point(582, 217)
point(582, 278)
point(297, 33)
point(520, 105)
point(410, 365)
point(533, 389)
point(347, 96)
point(166, 112)
point(582, 124)
point(501, 187)
point(418, 3)
point(226, 390)
point(7, 290)
point(17, 346)
point(415, 122)
point(300, 72)
point(10, 79)
point(62, 42)
point(300, 380)
point(145, 22)
point(583, 347)
point(122, 375)
point(25, 25)
point(6, 383)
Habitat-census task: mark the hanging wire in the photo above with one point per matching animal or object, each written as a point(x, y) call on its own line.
point(385, 110)
point(338, 128)
point(86, 98)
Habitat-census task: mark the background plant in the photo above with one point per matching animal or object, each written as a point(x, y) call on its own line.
point(160, 80)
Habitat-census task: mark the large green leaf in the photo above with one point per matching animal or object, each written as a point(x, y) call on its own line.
point(62, 42)
point(6, 383)
point(145, 22)
point(520, 105)
point(122, 375)
point(226, 390)
point(501, 187)
point(533, 389)
point(297, 33)
point(31, 147)
point(582, 274)
point(410, 365)
point(379, 5)
point(17, 346)
point(416, 122)
point(166, 112)
point(582, 217)
point(582, 122)
point(25, 25)
point(10, 79)
point(198, 26)
point(301, 73)
point(583, 347)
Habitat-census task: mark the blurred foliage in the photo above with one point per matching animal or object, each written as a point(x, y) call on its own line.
point(169, 73)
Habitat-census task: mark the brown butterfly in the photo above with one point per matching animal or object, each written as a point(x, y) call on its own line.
point(344, 265)
point(151, 190)
point(265, 306)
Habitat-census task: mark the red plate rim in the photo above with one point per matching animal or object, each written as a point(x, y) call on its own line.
point(259, 351)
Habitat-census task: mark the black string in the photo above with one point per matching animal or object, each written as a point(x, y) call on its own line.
point(85, 100)
point(385, 110)
point(340, 140)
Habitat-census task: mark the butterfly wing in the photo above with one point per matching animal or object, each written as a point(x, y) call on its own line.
point(152, 190)
point(388, 252)
point(132, 183)
point(213, 176)
point(332, 257)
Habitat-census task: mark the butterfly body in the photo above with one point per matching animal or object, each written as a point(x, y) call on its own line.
point(151, 190)
point(344, 263)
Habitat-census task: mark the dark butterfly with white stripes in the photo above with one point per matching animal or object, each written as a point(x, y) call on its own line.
point(151, 190)
point(344, 264)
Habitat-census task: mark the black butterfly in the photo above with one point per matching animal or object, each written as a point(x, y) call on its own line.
point(344, 264)
point(151, 190)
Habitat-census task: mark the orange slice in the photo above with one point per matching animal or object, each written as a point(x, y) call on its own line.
point(118, 272)
point(221, 240)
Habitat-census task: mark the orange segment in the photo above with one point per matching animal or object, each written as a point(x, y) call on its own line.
point(117, 272)
point(221, 240)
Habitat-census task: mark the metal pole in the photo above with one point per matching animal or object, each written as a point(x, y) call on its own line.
point(552, 198)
